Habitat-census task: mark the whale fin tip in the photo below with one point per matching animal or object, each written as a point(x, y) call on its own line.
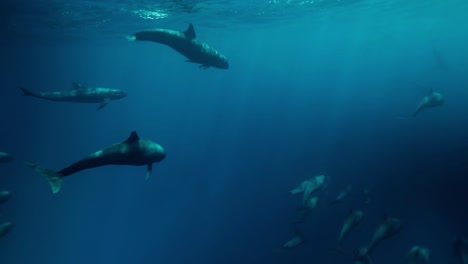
point(190, 32)
point(149, 170)
point(133, 137)
point(54, 178)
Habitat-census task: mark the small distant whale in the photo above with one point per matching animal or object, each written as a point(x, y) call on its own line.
point(5, 228)
point(186, 44)
point(388, 228)
point(460, 250)
point(296, 240)
point(4, 196)
point(352, 220)
point(418, 255)
point(133, 151)
point(343, 194)
point(313, 185)
point(80, 94)
point(433, 99)
point(5, 157)
point(309, 186)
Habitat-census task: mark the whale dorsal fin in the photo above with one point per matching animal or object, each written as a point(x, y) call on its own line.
point(190, 32)
point(133, 137)
point(77, 86)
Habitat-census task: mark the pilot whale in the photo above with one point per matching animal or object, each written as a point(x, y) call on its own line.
point(342, 195)
point(80, 94)
point(133, 151)
point(4, 196)
point(387, 229)
point(186, 43)
point(432, 99)
point(352, 220)
point(460, 250)
point(5, 157)
point(5, 228)
point(418, 255)
point(296, 240)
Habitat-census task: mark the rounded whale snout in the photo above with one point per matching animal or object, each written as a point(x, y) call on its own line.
point(5, 228)
point(4, 196)
point(5, 157)
point(155, 152)
point(222, 63)
point(120, 95)
point(159, 153)
point(418, 255)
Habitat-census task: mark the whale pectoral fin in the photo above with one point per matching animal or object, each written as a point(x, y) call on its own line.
point(149, 170)
point(103, 104)
point(192, 61)
point(203, 66)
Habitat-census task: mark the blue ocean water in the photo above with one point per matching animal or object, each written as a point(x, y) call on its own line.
point(313, 87)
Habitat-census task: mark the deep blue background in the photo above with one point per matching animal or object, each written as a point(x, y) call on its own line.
point(325, 94)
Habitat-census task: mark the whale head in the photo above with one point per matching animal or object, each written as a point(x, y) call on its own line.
point(153, 151)
point(5, 228)
point(362, 256)
point(141, 151)
point(356, 215)
point(418, 255)
point(5, 157)
point(220, 62)
point(435, 99)
point(4, 196)
point(117, 94)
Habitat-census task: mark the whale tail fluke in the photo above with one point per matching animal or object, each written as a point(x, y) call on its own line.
point(26, 92)
point(54, 178)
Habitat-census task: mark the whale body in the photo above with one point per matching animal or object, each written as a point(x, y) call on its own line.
point(5, 228)
point(186, 43)
point(133, 151)
point(433, 99)
point(80, 94)
point(5, 157)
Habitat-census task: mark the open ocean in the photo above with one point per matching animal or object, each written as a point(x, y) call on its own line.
point(324, 87)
